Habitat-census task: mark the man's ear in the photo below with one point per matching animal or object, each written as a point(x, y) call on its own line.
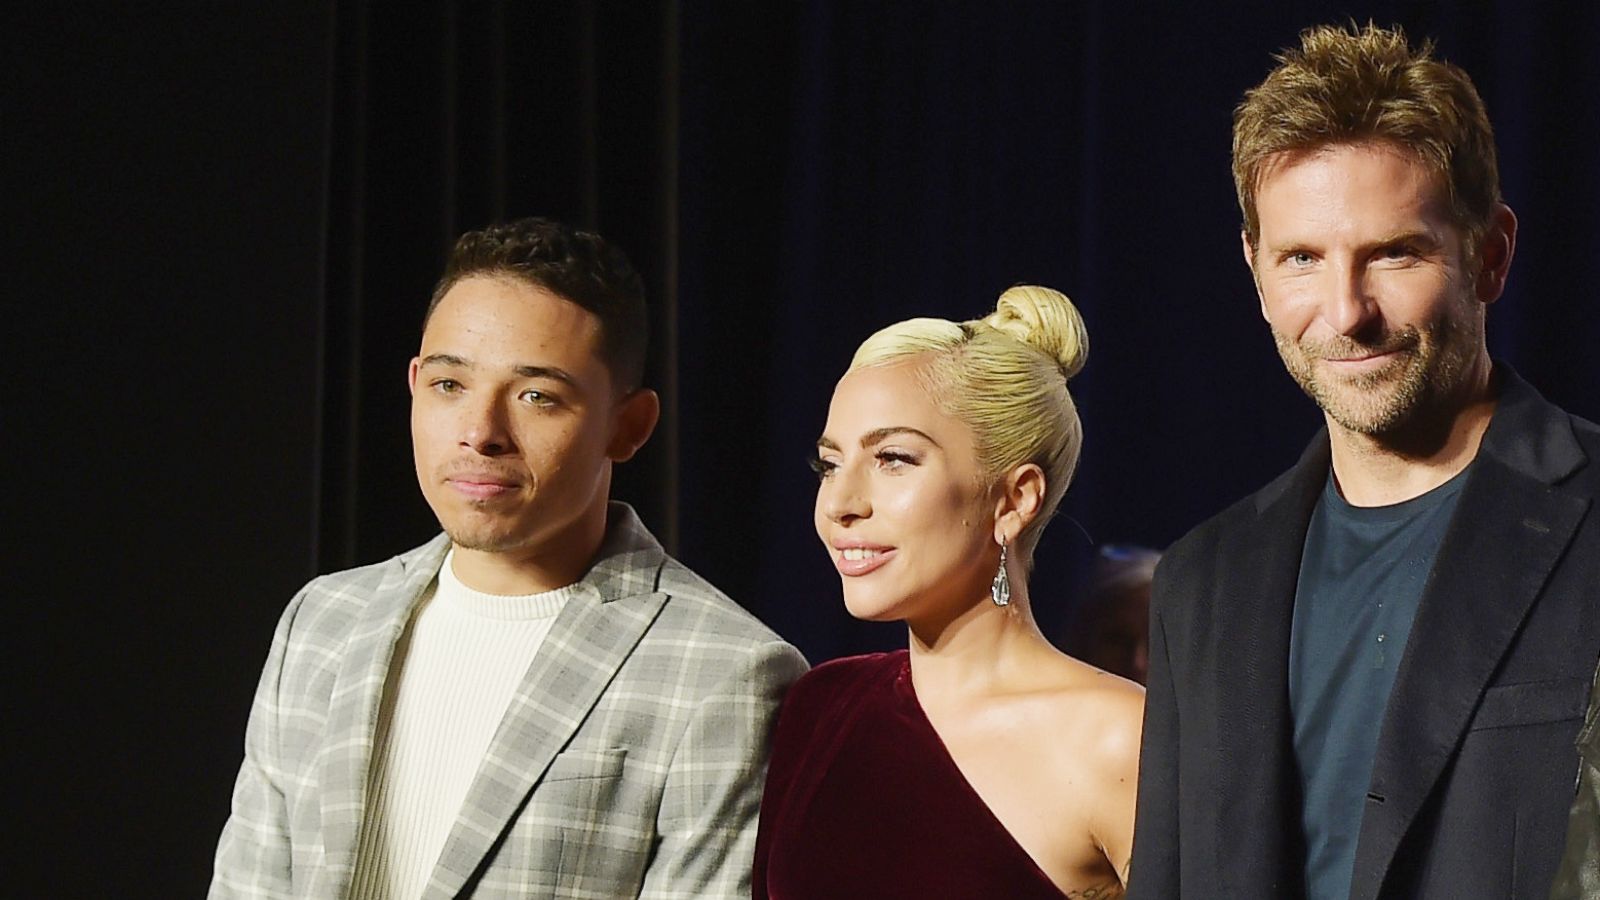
point(1495, 250)
point(636, 418)
point(1021, 499)
point(1250, 261)
point(411, 375)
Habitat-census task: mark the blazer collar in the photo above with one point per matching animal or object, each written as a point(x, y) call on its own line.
point(586, 640)
point(1254, 611)
point(589, 641)
point(1530, 435)
point(1509, 529)
point(353, 705)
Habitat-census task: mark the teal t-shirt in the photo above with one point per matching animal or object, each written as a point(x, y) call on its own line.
point(1362, 574)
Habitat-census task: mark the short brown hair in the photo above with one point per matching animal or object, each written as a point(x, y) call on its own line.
point(578, 266)
point(1352, 85)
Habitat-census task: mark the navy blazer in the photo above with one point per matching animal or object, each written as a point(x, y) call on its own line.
point(1475, 760)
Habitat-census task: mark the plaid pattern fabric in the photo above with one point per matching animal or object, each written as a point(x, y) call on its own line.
point(629, 764)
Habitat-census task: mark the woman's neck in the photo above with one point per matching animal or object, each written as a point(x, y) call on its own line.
point(981, 650)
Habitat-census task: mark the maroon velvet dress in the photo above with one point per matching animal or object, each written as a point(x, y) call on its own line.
point(863, 799)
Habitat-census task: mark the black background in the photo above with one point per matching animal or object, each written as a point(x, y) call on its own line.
point(222, 223)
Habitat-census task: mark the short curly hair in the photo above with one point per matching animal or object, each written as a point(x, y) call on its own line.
point(1350, 85)
point(579, 266)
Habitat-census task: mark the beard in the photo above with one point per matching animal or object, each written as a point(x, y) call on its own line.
point(1430, 364)
point(484, 525)
point(486, 539)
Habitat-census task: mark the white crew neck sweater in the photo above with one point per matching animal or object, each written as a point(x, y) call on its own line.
point(454, 671)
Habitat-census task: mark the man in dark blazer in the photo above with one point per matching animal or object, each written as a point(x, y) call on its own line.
point(1367, 678)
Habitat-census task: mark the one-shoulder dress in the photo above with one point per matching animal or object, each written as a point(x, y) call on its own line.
point(863, 799)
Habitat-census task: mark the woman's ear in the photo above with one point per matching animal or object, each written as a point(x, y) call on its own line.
point(1021, 499)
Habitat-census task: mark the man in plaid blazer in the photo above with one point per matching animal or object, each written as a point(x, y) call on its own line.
point(629, 759)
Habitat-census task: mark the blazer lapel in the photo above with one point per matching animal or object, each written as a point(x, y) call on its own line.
point(1508, 532)
point(1257, 821)
point(589, 641)
point(353, 709)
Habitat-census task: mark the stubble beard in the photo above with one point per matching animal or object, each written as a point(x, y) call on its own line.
point(482, 530)
point(482, 540)
point(1431, 365)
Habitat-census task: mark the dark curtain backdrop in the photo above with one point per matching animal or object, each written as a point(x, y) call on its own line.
point(931, 155)
point(447, 117)
point(224, 222)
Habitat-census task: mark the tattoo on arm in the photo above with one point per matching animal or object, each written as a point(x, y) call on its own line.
point(1109, 891)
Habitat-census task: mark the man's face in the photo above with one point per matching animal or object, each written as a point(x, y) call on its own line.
point(514, 420)
point(1364, 282)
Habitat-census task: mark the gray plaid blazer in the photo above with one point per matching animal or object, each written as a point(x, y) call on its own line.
point(630, 762)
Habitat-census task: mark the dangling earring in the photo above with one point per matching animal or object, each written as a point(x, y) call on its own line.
point(1000, 590)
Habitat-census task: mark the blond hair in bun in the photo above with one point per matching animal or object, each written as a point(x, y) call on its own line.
point(1044, 319)
point(1005, 376)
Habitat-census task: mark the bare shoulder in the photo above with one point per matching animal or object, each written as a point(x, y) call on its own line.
point(1104, 714)
point(1079, 724)
point(1081, 742)
point(1102, 717)
point(1118, 705)
point(1074, 695)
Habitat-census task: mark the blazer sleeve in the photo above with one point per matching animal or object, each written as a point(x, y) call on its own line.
point(1154, 871)
point(253, 859)
point(707, 819)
